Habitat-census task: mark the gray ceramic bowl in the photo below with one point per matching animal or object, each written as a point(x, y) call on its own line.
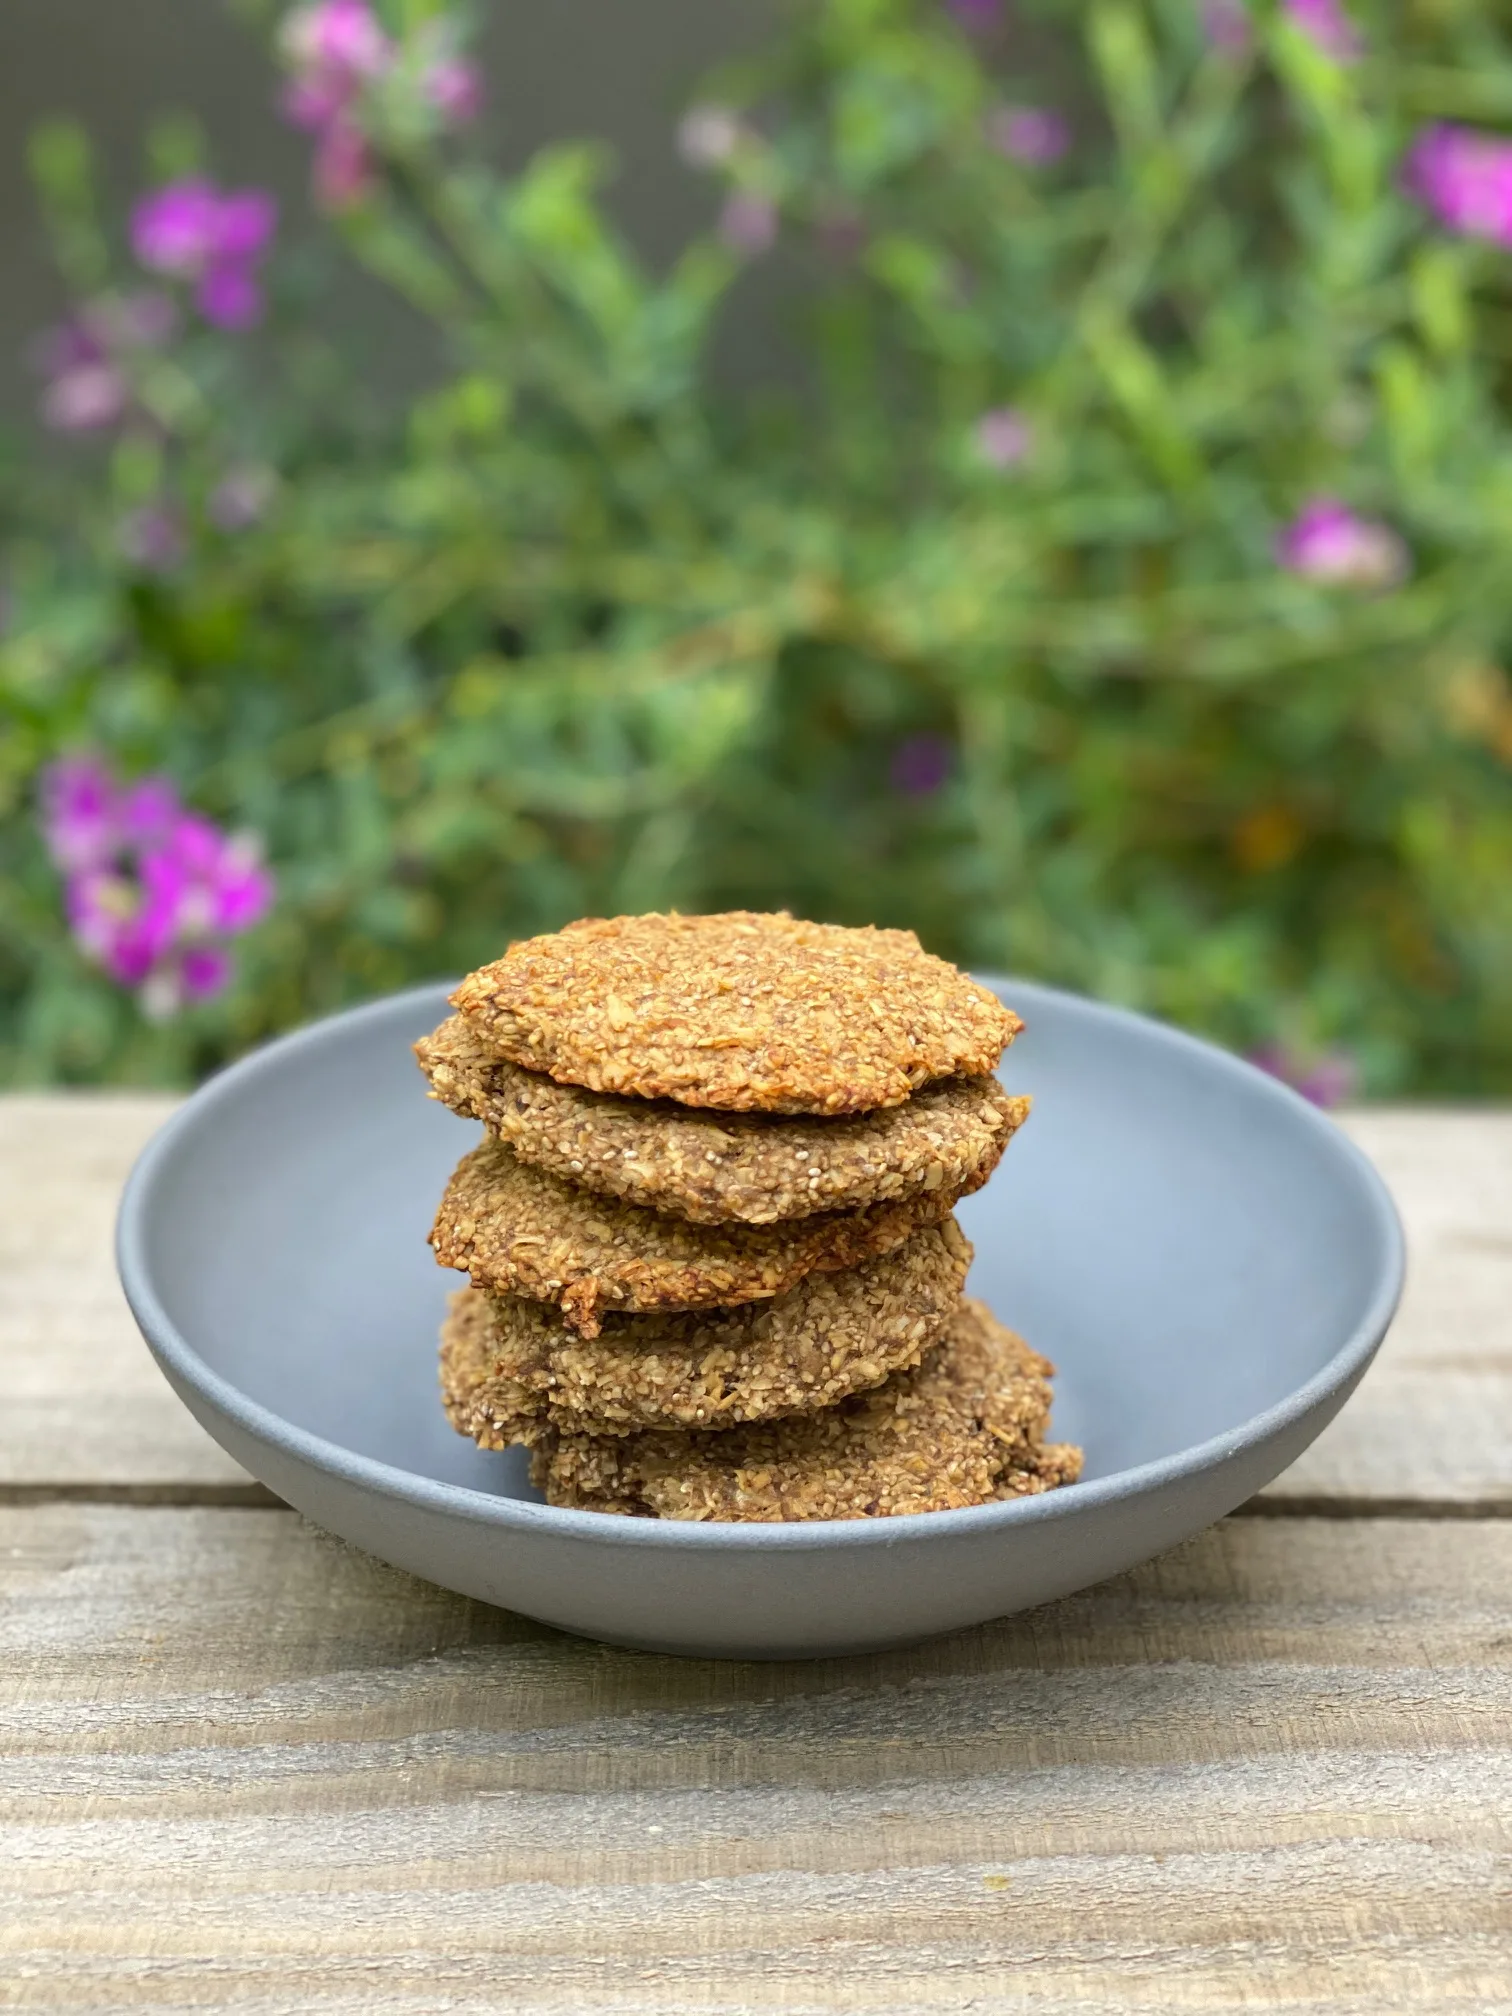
point(1210, 1263)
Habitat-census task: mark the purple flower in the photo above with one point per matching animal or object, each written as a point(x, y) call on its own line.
point(152, 539)
point(335, 49)
point(920, 764)
point(229, 298)
point(1326, 26)
point(152, 891)
point(840, 233)
point(454, 88)
point(204, 970)
point(241, 497)
point(1003, 437)
point(82, 359)
point(144, 320)
point(87, 397)
point(193, 232)
point(977, 17)
point(343, 166)
point(1227, 25)
point(79, 806)
point(1028, 133)
point(1465, 178)
point(244, 226)
point(145, 813)
point(708, 135)
point(1327, 541)
point(1327, 1080)
point(748, 222)
point(338, 43)
point(174, 230)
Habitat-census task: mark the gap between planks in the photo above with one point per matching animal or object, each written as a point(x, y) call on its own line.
point(253, 1497)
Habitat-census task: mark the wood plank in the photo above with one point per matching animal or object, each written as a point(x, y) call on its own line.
point(243, 1767)
point(1433, 1419)
point(1432, 1423)
point(81, 1402)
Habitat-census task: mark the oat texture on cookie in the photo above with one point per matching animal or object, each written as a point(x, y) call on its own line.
point(741, 1011)
point(721, 1168)
point(511, 1368)
point(713, 1269)
point(519, 1231)
point(964, 1427)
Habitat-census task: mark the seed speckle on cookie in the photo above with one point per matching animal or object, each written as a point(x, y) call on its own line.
point(519, 1231)
point(718, 1168)
point(963, 1428)
point(741, 1011)
point(511, 1369)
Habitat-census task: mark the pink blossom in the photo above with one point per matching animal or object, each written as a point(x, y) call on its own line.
point(192, 231)
point(146, 813)
point(335, 49)
point(84, 389)
point(339, 41)
point(1003, 437)
point(1327, 1080)
point(343, 166)
point(241, 497)
point(79, 812)
point(229, 298)
point(920, 764)
point(1028, 133)
point(245, 225)
point(152, 891)
point(748, 222)
point(82, 359)
point(311, 103)
point(1327, 541)
point(1326, 26)
point(709, 135)
point(204, 970)
point(1227, 25)
point(175, 230)
point(976, 16)
point(152, 538)
point(454, 88)
point(1465, 177)
point(88, 397)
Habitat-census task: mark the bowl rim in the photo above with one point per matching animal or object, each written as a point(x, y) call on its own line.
point(179, 1359)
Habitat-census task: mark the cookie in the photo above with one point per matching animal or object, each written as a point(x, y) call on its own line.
point(742, 1011)
point(520, 1231)
point(722, 1168)
point(964, 1427)
point(510, 1370)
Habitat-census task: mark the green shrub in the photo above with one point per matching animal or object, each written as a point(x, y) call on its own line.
point(985, 619)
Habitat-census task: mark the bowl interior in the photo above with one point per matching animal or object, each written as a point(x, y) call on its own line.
point(1187, 1241)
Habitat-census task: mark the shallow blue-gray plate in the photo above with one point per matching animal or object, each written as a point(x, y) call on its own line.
point(1210, 1263)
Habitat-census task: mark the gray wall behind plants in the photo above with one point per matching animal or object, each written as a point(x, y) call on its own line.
point(612, 68)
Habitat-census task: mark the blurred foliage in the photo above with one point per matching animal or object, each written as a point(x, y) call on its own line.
point(584, 631)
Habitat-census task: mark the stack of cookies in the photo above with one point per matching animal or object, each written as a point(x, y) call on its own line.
point(708, 1230)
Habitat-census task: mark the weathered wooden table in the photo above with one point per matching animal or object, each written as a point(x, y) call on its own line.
point(243, 1767)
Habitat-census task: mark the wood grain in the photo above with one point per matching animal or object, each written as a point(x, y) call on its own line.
point(83, 1408)
point(80, 1400)
point(1432, 1421)
point(242, 1767)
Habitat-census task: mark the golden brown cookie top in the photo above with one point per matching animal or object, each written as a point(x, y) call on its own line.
point(519, 1231)
point(967, 1425)
point(743, 1011)
point(722, 1168)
